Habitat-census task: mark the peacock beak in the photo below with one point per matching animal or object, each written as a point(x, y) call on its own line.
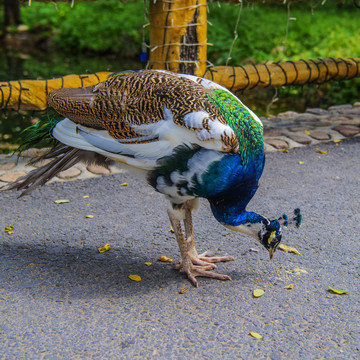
point(271, 253)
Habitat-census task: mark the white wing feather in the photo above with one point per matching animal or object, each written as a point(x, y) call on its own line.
point(144, 155)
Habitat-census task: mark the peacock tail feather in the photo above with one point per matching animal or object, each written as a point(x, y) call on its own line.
point(39, 134)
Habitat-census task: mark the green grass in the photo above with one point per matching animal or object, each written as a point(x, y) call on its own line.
point(330, 31)
point(112, 26)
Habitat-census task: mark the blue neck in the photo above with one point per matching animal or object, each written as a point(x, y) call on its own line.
point(233, 216)
point(231, 179)
point(229, 185)
point(234, 187)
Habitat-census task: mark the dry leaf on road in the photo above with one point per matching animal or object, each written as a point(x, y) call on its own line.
point(258, 292)
point(134, 277)
point(255, 335)
point(165, 259)
point(288, 249)
point(106, 247)
point(62, 201)
point(338, 292)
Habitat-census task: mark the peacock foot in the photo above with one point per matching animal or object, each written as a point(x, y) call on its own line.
point(208, 256)
point(201, 265)
point(193, 271)
point(205, 260)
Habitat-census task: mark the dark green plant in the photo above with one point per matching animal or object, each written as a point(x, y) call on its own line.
point(326, 31)
point(103, 26)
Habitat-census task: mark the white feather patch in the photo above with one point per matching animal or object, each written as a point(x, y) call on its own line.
point(195, 119)
point(176, 135)
point(249, 229)
point(200, 162)
point(66, 132)
point(171, 191)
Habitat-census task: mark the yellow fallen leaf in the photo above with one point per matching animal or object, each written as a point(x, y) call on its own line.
point(300, 271)
point(134, 277)
point(89, 216)
point(307, 132)
point(285, 151)
point(124, 184)
point(61, 201)
point(288, 249)
point(106, 247)
point(9, 229)
point(85, 196)
point(148, 263)
point(255, 335)
point(338, 292)
point(258, 293)
point(337, 141)
point(165, 259)
point(321, 151)
point(289, 287)
point(301, 163)
point(183, 291)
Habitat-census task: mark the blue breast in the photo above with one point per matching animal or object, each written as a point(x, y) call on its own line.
point(229, 185)
point(226, 180)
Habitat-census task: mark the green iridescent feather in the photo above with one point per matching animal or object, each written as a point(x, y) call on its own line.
point(38, 134)
point(248, 131)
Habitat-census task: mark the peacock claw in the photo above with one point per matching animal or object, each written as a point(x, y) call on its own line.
point(208, 256)
point(198, 265)
point(205, 260)
point(202, 265)
point(193, 271)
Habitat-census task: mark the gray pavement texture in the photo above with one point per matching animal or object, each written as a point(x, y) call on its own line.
point(61, 299)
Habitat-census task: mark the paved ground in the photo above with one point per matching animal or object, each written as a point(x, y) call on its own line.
point(61, 299)
point(285, 131)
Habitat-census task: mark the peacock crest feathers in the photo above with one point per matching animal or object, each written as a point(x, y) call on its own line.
point(285, 221)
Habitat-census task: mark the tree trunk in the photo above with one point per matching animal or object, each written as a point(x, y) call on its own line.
point(12, 12)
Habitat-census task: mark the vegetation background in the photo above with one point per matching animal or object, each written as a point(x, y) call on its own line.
point(109, 34)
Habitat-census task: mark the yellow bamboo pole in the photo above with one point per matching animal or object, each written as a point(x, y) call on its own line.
point(178, 36)
point(31, 94)
point(284, 73)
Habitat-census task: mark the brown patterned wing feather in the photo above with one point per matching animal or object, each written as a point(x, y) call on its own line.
point(133, 99)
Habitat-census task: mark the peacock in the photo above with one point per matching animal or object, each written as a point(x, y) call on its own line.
point(188, 137)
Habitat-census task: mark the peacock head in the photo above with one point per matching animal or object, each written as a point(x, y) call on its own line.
point(267, 232)
point(270, 235)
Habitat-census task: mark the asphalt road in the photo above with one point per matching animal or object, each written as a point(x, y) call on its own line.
point(61, 299)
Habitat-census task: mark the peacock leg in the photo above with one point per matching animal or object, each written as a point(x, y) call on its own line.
point(206, 257)
point(191, 270)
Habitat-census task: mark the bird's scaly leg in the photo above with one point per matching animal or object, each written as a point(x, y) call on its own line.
point(187, 263)
point(198, 259)
point(190, 242)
